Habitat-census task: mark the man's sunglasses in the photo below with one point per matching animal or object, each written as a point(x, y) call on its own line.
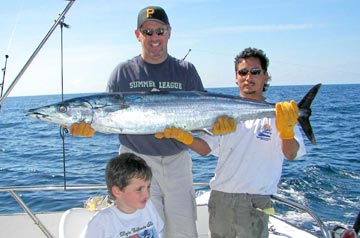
point(150, 32)
point(253, 71)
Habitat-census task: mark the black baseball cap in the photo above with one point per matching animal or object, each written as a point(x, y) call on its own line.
point(152, 13)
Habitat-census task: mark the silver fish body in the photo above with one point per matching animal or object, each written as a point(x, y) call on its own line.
point(152, 112)
point(148, 113)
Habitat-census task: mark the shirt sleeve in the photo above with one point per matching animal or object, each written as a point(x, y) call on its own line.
point(213, 142)
point(300, 139)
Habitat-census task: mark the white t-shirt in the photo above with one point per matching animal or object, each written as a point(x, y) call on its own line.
point(111, 222)
point(250, 159)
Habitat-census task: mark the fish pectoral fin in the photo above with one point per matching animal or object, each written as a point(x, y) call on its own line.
point(114, 107)
point(82, 129)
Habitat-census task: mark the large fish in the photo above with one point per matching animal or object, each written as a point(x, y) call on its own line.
point(151, 112)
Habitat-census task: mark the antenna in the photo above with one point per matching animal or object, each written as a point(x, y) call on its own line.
point(186, 55)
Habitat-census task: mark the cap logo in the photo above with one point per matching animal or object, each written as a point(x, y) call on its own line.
point(149, 12)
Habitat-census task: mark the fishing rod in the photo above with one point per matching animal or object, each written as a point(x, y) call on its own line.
point(42, 43)
point(3, 80)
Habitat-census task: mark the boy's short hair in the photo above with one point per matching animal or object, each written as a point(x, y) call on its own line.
point(124, 167)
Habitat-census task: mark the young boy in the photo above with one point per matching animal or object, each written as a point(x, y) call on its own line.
point(133, 214)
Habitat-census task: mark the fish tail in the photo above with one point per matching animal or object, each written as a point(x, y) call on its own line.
point(304, 107)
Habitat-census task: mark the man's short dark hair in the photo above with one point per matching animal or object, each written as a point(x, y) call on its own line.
point(257, 53)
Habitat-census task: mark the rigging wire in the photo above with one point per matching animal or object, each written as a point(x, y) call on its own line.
point(19, 13)
point(63, 129)
point(17, 19)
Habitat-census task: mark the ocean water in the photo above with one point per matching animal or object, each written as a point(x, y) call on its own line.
point(326, 179)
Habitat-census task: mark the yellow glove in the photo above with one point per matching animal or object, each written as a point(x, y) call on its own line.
point(82, 129)
point(224, 125)
point(177, 134)
point(286, 118)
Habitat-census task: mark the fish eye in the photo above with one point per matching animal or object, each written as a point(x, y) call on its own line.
point(62, 108)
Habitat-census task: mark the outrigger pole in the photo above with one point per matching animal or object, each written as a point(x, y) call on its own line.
point(42, 43)
point(4, 72)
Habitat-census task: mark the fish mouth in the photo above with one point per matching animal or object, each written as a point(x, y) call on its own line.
point(36, 115)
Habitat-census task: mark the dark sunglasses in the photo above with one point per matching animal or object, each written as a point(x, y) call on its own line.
point(253, 71)
point(150, 32)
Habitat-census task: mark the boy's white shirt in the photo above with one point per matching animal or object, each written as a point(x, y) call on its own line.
point(111, 222)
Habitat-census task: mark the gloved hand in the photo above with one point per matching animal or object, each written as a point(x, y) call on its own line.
point(224, 125)
point(286, 118)
point(82, 129)
point(177, 134)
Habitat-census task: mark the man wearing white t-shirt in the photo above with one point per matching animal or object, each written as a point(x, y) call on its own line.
point(250, 158)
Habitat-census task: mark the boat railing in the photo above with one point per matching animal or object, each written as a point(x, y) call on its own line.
point(323, 229)
point(13, 191)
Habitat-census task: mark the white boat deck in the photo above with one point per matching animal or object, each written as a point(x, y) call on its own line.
point(21, 225)
point(71, 223)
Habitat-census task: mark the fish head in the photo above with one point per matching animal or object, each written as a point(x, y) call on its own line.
point(64, 113)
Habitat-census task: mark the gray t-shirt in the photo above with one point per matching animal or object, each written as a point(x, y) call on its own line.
point(137, 75)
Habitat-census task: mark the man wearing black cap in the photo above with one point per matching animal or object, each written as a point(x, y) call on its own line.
point(155, 70)
point(171, 188)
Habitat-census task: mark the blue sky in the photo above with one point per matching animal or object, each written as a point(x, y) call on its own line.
point(307, 41)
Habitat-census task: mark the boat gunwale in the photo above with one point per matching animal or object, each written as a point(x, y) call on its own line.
point(14, 189)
